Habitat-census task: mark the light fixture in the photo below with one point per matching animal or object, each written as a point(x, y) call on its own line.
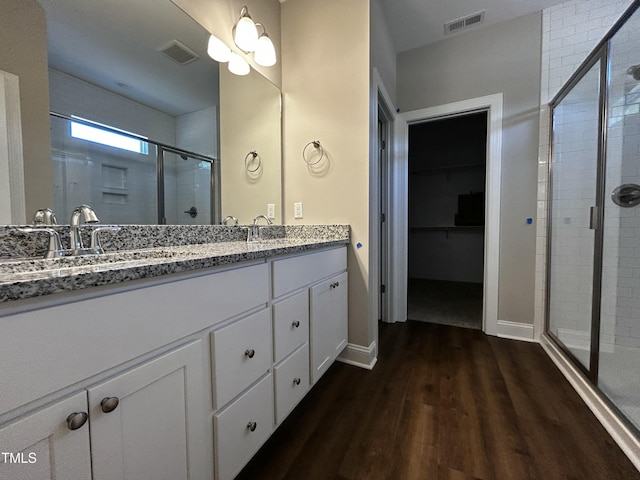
point(218, 50)
point(245, 33)
point(238, 65)
point(265, 53)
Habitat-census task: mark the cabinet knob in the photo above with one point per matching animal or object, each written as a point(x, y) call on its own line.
point(249, 353)
point(296, 324)
point(296, 381)
point(109, 404)
point(252, 426)
point(76, 420)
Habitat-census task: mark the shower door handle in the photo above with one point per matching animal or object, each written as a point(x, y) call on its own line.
point(593, 218)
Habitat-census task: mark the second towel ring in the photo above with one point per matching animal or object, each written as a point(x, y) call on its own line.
point(253, 154)
point(317, 146)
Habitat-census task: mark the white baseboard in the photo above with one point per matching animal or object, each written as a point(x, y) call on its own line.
point(620, 433)
point(359, 356)
point(516, 331)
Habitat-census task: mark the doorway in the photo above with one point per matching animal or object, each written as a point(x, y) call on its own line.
point(446, 199)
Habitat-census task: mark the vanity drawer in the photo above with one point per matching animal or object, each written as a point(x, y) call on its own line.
point(292, 273)
point(241, 353)
point(242, 428)
point(291, 381)
point(290, 324)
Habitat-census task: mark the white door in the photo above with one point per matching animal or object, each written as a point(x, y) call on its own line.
point(148, 422)
point(49, 444)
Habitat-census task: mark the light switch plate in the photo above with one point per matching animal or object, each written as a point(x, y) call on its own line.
point(271, 210)
point(297, 210)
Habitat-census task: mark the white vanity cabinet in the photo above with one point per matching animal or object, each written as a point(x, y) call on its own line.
point(329, 331)
point(176, 378)
point(45, 447)
point(147, 422)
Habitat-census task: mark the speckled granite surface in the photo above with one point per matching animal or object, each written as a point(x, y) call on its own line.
point(156, 251)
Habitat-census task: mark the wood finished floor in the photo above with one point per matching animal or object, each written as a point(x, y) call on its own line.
point(442, 403)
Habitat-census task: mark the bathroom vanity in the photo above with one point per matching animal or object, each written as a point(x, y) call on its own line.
point(180, 372)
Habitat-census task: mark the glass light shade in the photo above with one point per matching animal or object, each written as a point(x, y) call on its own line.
point(246, 34)
point(265, 54)
point(218, 50)
point(238, 65)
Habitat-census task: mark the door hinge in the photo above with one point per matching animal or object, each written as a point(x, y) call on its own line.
point(383, 218)
point(383, 288)
point(383, 144)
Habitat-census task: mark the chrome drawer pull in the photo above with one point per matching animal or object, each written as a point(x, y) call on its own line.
point(252, 426)
point(296, 381)
point(296, 324)
point(250, 353)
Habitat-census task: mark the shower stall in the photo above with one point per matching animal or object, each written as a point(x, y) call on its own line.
point(593, 250)
point(130, 179)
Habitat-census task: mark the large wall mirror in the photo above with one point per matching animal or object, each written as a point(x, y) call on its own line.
point(142, 67)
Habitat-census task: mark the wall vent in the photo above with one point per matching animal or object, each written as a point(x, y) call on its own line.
point(179, 53)
point(464, 22)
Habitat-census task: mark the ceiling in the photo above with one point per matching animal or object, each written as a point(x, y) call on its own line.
point(114, 43)
point(415, 23)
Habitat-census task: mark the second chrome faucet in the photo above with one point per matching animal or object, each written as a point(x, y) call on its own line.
point(254, 230)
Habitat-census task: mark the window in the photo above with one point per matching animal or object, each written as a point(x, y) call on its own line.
point(109, 136)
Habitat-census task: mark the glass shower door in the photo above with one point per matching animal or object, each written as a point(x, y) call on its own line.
point(574, 167)
point(619, 359)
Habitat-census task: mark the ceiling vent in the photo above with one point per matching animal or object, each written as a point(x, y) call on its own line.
point(178, 52)
point(463, 23)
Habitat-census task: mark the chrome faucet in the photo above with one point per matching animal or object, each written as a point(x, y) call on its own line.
point(44, 216)
point(232, 218)
point(254, 230)
point(86, 213)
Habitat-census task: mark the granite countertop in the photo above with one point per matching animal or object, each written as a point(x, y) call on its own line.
point(21, 279)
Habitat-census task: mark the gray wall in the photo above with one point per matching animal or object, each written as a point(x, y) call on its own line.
point(23, 36)
point(502, 58)
point(383, 54)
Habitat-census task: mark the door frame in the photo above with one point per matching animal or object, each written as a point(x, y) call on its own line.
point(399, 201)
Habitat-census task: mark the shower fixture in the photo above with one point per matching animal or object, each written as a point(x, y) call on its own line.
point(634, 71)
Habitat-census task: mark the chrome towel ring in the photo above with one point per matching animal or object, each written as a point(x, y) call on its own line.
point(308, 154)
point(255, 158)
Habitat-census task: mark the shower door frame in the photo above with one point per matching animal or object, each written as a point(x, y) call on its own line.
point(600, 53)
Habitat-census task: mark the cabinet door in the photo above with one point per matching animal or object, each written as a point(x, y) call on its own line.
point(150, 422)
point(41, 446)
point(329, 323)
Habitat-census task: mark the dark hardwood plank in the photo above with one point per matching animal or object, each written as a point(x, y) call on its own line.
point(442, 403)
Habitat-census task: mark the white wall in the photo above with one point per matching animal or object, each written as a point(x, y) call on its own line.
point(326, 97)
point(383, 53)
point(502, 58)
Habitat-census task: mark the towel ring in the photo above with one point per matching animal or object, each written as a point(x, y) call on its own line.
point(317, 146)
point(253, 154)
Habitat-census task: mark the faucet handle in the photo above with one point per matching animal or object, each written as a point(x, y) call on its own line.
point(95, 239)
point(44, 216)
point(55, 249)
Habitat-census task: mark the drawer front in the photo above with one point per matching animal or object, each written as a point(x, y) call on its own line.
point(241, 353)
point(292, 382)
point(295, 272)
point(242, 428)
point(59, 346)
point(290, 324)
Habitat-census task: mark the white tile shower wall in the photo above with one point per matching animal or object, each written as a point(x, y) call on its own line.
point(570, 31)
point(197, 132)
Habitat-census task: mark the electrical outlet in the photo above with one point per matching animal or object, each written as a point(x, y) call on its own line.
point(271, 210)
point(297, 210)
